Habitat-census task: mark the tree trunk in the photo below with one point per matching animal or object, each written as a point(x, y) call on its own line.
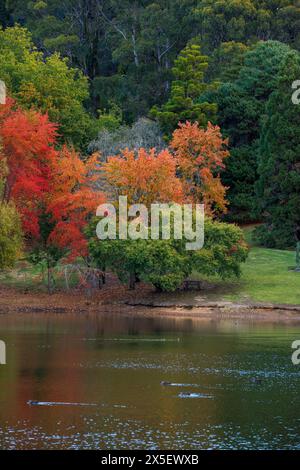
point(49, 278)
point(135, 54)
point(132, 281)
point(6, 192)
point(103, 275)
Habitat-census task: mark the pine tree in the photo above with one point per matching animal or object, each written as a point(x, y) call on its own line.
point(278, 186)
point(185, 102)
point(241, 112)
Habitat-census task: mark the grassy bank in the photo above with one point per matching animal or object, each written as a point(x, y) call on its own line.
point(265, 278)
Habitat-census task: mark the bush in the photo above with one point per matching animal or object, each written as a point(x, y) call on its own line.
point(166, 263)
point(10, 235)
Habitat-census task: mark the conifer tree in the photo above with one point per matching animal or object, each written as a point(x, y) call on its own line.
point(185, 102)
point(278, 186)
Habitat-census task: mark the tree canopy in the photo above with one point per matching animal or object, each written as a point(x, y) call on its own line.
point(157, 100)
point(47, 83)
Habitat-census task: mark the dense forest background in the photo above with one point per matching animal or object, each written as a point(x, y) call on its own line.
point(128, 48)
point(136, 68)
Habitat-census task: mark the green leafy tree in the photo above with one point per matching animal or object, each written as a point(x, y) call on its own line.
point(184, 103)
point(46, 19)
point(110, 120)
point(166, 263)
point(156, 262)
point(47, 84)
point(278, 186)
point(10, 235)
point(225, 20)
point(248, 21)
point(223, 253)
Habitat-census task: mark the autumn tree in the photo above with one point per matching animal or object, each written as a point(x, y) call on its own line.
point(28, 139)
point(51, 188)
point(144, 178)
point(200, 155)
point(72, 200)
point(69, 204)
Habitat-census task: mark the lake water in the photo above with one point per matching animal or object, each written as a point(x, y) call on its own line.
point(231, 385)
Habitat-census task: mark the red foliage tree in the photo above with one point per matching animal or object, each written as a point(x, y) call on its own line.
point(27, 148)
point(44, 181)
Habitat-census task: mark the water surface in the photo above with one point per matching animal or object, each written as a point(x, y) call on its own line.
point(118, 382)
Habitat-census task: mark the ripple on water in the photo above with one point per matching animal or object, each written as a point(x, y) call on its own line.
point(133, 434)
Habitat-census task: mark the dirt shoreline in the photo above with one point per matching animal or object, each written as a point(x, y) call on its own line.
point(141, 302)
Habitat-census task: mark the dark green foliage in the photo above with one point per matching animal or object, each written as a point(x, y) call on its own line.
point(241, 111)
point(4, 14)
point(226, 62)
point(128, 48)
point(128, 45)
point(187, 87)
point(278, 186)
point(262, 64)
point(248, 21)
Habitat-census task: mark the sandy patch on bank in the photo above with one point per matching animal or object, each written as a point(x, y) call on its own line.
point(141, 302)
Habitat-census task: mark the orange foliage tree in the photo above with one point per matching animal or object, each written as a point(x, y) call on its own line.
point(72, 199)
point(200, 155)
point(144, 178)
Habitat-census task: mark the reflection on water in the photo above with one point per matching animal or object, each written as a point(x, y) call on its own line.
point(117, 382)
